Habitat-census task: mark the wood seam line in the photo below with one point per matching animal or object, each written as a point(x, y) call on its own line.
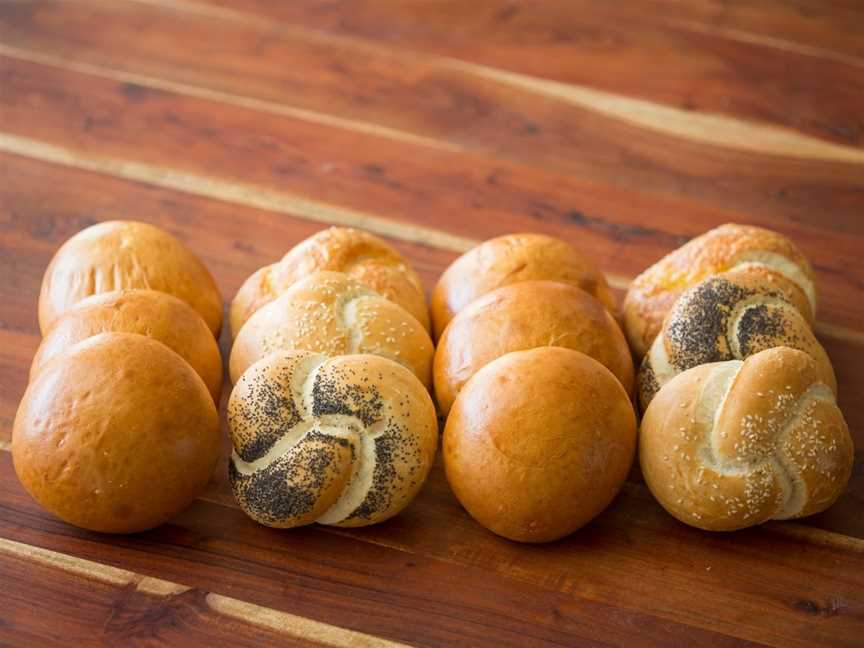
point(256, 615)
point(708, 128)
point(251, 103)
point(264, 198)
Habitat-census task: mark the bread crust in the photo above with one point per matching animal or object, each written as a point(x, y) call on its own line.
point(345, 441)
point(362, 256)
point(523, 316)
point(155, 314)
point(731, 316)
point(114, 255)
point(330, 313)
point(539, 442)
point(118, 434)
point(728, 445)
point(510, 259)
point(653, 293)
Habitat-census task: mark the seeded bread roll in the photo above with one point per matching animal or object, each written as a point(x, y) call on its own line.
point(522, 316)
point(126, 254)
point(731, 316)
point(728, 445)
point(510, 259)
point(360, 255)
point(331, 313)
point(345, 441)
point(155, 314)
point(118, 434)
point(539, 442)
point(653, 293)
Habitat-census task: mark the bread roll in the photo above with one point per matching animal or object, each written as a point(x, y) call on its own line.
point(155, 314)
point(331, 313)
point(507, 260)
point(345, 441)
point(539, 442)
point(360, 255)
point(117, 434)
point(728, 445)
point(653, 292)
point(126, 254)
point(731, 316)
point(523, 316)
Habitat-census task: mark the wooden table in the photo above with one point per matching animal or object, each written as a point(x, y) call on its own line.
point(243, 126)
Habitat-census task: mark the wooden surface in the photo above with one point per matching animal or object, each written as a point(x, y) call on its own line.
point(243, 126)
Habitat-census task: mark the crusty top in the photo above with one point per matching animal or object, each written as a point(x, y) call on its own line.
point(729, 316)
point(328, 312)
point(522, 316)
point(126, 254)
point(652, 293)
point(345, 441)
point(727, 445)
point(155, 314)
point(510, 259)
point(362, 256)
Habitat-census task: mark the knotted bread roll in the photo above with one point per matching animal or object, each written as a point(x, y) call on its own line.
point(331, 313)
point(345, 441)
point(155, 314)
point(360, 255)
point(727, 317)
point(727, 445)
point(523, 316)
point(653, 293)
point(126, 254)
point(510, 259)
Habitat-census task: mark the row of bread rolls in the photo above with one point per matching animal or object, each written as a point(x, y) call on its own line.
point(740, 419)
point(118, 428)
point(535, 377)
point(330, 416)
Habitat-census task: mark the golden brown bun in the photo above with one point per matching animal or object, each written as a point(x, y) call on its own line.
point(731, 316)
point(331, 313)
point(152, 313)
point(360, 255)
point(117, 435)
point(523, 316)
point(344, 441)
point(539, 442)
point(507, 260)
point(728, 445)
point(126, 254)
point(653, 292)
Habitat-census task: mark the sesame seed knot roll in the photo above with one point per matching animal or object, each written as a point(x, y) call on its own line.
point(330, 313)
point(344, 441)
point(728, 445)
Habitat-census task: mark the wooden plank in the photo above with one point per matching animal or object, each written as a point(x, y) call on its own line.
point(246, 156)
point(55, 598)
point(607, 46)
point(434, 563)
point(34, 223)
point(571, 129)
point(339, 581)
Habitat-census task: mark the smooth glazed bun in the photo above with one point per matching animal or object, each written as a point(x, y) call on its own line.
point(653, 292)
point(331, 313)
point(126, 254)
point(523, 316)
point(728, 445)
point(118, 434)
point(360, 255)
point(155, 314)
point(510, 259)
point(731, 316)
point(539, 442)
point(344, 441)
